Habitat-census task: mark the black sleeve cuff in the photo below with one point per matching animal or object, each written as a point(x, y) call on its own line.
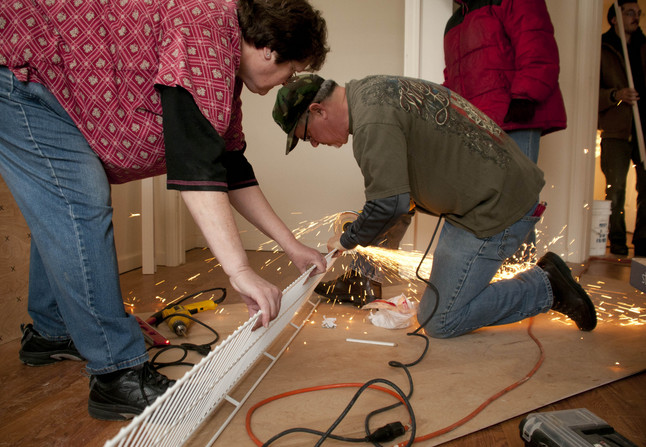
point(375, 220)
point(239, 171)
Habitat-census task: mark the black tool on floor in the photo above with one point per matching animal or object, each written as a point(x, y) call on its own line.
point(570, 428)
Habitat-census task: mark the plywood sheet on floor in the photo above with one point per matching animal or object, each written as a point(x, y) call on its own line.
point(455, 377)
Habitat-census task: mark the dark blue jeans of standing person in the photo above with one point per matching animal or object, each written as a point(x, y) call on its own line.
point(61, 188)
point(528, 140)
point(463, 267)
point(616, 157)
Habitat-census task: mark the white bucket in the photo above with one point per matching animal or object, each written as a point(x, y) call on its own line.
point(600, 223)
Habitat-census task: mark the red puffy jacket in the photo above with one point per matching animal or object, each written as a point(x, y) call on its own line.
point(496, 50)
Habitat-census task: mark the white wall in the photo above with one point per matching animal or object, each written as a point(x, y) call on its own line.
point(567, 157)
point(366, 37)
point(426, 45)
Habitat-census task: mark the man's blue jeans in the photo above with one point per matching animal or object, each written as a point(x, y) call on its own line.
point(463, 266)
point(61, 188)
point(528, 140)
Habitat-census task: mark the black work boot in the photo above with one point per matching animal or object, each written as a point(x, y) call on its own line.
point(125, 393)
point(569, 297)
point(351, 287)
point(35, 350)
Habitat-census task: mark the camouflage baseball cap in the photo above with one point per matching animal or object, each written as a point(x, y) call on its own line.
point(292, 101)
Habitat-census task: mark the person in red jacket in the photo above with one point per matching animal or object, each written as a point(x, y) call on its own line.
point(502, 57)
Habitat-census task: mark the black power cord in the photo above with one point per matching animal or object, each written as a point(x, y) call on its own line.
point(393, 430)
point(383, 434)
point(416, 333)
point(202, 349)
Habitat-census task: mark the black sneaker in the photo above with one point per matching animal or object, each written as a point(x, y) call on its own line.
point(35, 350)
point(569, 297)
point(125, 393)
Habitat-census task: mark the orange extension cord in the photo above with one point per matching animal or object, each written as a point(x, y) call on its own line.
point(432, 435)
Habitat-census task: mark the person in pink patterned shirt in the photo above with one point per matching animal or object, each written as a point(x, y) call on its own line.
point(101, 92)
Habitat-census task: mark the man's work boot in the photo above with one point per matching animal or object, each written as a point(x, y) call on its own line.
point(125, 393)
point(569, 297)
point(351, 287)
point(36, 350)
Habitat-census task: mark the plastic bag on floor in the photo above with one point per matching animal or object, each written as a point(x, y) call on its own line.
point(393, 313)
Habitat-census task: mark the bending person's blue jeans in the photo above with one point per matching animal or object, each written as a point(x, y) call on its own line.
point(463, 266)
point(61, 188)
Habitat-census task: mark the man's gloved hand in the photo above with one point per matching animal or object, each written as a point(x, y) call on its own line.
point(520, 110)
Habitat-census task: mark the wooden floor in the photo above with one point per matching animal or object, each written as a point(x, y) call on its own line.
point(47, 406)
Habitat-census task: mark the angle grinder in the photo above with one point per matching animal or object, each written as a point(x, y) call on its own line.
point(344, 220)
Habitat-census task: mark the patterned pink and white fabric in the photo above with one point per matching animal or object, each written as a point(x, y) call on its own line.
point(102, 58)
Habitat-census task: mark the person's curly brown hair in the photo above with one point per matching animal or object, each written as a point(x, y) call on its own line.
point(292, 28)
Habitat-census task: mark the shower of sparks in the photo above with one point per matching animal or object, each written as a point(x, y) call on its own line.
point(613, 307)
point(305, 227)
point(401, 266)
point(395, 265)
point(169, 293)
point(398, 265)
point(130, 301)
point(617, 307)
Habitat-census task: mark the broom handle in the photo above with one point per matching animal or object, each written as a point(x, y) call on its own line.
point(631, 84)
